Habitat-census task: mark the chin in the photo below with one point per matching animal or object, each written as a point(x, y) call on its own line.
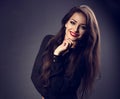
point(73, 39)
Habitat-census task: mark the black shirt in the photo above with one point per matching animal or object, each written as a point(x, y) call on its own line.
point(60, 86)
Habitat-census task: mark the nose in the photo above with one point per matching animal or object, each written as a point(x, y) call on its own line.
point(76, 29)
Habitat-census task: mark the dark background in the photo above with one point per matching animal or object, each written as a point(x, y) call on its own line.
point(24, 23)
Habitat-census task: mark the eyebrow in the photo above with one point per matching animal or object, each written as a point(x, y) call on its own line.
point(76, 22)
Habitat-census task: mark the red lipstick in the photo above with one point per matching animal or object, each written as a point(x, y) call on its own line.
point(74, 34)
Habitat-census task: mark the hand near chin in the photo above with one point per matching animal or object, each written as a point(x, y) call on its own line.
point(63, 47)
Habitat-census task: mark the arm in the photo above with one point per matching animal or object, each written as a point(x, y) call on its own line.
point(35, 76)
point(58, 82)
point(37, 66)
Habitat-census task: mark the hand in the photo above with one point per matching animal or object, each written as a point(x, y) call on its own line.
point(42, 97)
point(67, 43)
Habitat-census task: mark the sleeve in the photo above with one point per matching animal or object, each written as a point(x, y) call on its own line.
point(35, 76)
point(55, 70)
point(58, 82)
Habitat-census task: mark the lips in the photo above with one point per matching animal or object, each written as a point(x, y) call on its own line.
point(74, 34)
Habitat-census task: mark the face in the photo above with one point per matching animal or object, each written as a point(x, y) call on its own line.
point(75, 27)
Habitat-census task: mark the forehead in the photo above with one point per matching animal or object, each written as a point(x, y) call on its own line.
point(78, 17)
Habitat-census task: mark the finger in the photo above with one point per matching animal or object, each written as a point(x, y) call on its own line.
point(69, 42)
point(65, 43)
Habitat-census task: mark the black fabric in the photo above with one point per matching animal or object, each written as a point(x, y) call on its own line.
point(60, 86)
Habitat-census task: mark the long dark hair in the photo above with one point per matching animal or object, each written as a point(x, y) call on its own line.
point(88, 49)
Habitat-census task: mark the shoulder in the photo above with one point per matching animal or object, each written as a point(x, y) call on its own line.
point(46, 40)
point(48, 37)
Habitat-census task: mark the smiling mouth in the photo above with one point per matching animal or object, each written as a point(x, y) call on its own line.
point(74, 34)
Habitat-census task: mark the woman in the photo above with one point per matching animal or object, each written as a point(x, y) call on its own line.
point(69, 60)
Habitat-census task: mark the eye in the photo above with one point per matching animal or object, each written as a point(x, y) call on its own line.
point(72, 22)
point(83, 27)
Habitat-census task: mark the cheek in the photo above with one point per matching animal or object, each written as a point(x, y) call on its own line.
point(68, 26)
point(81, 33)
point(68, 29)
